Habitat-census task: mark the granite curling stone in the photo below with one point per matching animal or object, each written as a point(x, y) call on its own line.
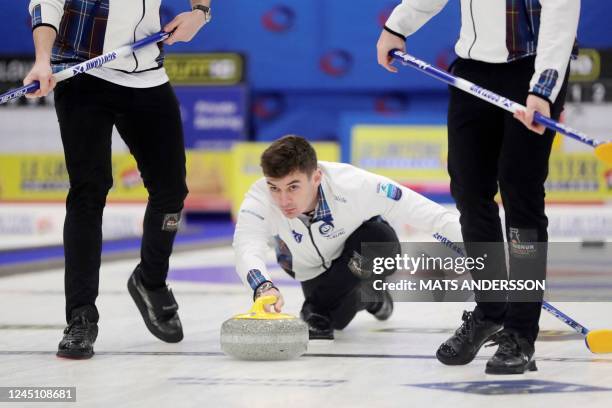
point(260, 335)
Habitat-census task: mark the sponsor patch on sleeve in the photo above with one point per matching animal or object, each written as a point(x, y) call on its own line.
point(389, 190)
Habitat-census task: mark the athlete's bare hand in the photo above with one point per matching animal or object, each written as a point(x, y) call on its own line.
point(280, 302)
point(185, 26)
point(41, 72)
point(534, 104)
point(387, 42)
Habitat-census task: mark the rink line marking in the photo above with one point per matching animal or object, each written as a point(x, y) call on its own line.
point(57, 262)
point(32, 327)
point(60, 292)
point(328, 355)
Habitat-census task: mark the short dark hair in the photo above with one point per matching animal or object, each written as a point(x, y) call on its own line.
point(288, 154)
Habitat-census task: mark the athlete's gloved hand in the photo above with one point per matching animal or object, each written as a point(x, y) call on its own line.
point(387, 42)
point(534, 104)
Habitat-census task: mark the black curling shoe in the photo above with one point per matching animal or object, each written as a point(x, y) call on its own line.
point(319, 326)
point(79, 336)
point(158, 309)
point(514, 354)
point(463, 346)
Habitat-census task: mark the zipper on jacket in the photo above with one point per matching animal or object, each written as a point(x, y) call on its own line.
point(474, 27)
point(316, 248)
point(135, 28)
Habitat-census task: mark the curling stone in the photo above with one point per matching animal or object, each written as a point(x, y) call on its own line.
point(259, 335)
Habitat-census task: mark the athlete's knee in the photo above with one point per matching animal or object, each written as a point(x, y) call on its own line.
point(378, 230)
point(168, 198)
point(88, 196)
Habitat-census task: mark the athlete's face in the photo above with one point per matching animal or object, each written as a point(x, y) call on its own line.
point(295, 193)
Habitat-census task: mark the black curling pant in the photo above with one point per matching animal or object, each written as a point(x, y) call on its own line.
point(337, 292)
point(149, 122)
point(489, 150)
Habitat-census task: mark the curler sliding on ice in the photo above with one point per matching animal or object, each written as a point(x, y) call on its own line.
point(603, 149)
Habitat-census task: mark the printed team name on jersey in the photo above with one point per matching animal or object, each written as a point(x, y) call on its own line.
point(328, 230)
point(389, 190)
point(448, 243)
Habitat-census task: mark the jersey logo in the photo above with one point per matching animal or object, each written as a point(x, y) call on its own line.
point(326, 228)
point(297, 236)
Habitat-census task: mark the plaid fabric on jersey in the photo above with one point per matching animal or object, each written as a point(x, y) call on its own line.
point(81, 32)
point(37, 16)
point(546, 82)
point(255, 278)
point(322, 211)
point(522, 28)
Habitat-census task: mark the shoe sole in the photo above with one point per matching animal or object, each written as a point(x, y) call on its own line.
point(452, 361)
point(320, 337)
point(74, 355)
point(142, 308)
point(531, 366)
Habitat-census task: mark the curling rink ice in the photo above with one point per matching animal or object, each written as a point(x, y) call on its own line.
point(371, 363)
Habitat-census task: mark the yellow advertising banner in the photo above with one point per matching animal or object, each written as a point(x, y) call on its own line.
point(218, 179)
point(411, 155)
point(209, 180)
point(204, 69)
point(578, 177)
point(43, 177)
point(33, 177)
point(416, 156)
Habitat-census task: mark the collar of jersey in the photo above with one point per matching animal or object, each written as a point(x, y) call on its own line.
point(322, 211)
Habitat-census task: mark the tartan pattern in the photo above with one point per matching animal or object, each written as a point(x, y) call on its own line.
point(522, 25)
point(322, 212)
point(522, 28)
point(546, 83)
point(284, 258)
point(81, 33)
point(36, 16)
point(255, 278)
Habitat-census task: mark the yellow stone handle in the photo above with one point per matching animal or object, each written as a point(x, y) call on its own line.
point(260, 303)
point(259, 312)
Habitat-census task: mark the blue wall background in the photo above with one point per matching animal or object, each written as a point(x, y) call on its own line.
point(311, 61)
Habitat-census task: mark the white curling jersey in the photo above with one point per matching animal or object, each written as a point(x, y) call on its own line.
point(498, 31)
point(347, 197)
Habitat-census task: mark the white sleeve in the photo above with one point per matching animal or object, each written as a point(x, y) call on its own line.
point(400, 205)
point(557, 34)
point(46, 12)
point(251, 241)
point(411, 15)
